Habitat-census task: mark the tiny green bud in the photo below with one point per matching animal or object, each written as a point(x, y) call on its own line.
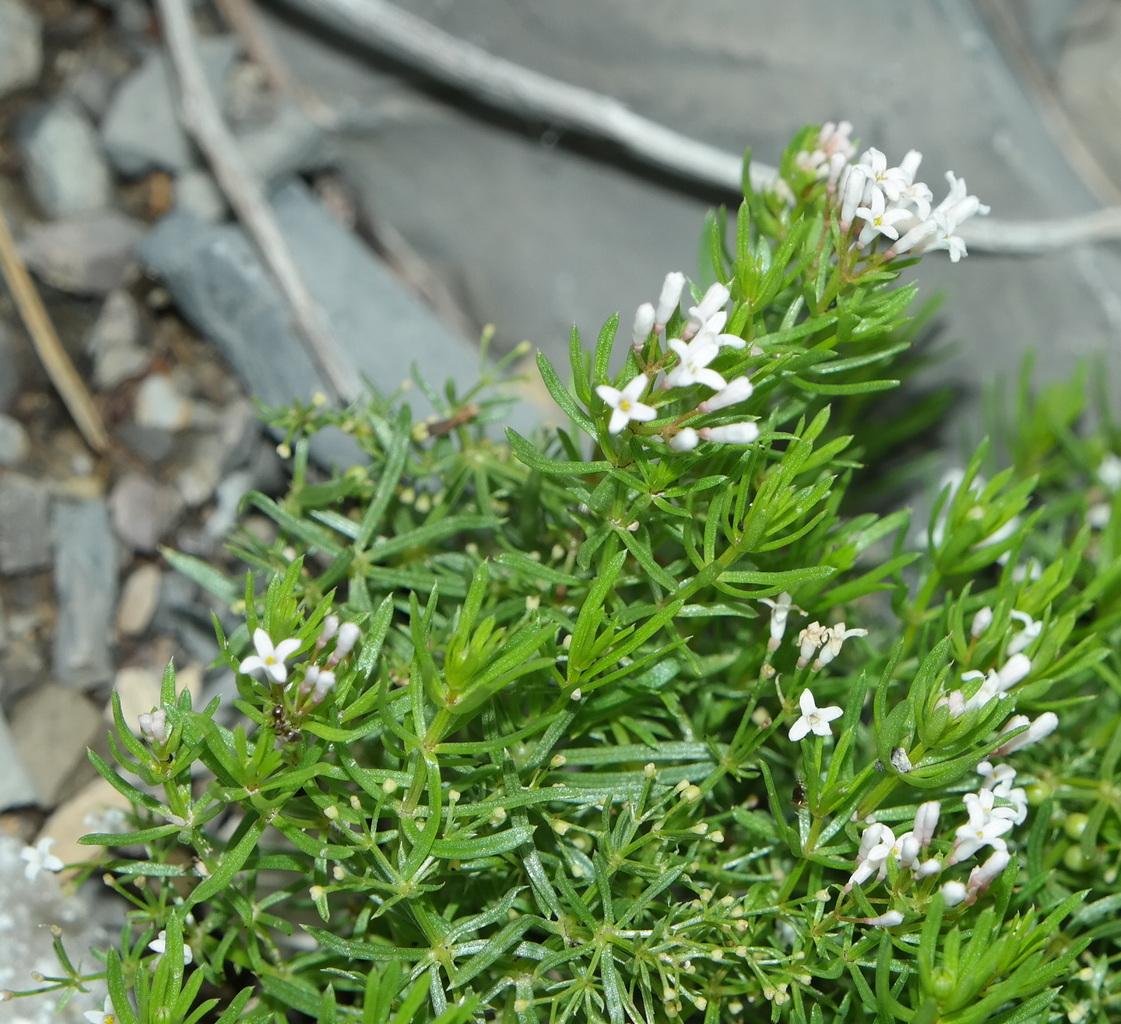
point(389, 786)
point(558, 761)
point(331, 812)
point(1075, 825)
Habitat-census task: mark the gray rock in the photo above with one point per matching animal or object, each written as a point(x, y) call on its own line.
point(141, 130)
point(183, 612)
point(139, 597)
point(114, 341)
point(86, 591)
point(88, 254)
point(221, 287)
point(21, 46)
point(143, 511)
point(197, 193)
point(16, 787)
point(65, 167)
point(53, 726)
point(9, 369)
point(24, 543)
point(289, 143)
point(14, 442)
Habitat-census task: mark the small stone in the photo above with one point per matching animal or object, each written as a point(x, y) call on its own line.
point(16, 787)
point(66, 169)
point(14, 442)
point(199, 478)
point(24, 505)
point(114, 341)
point(96, 807)
point(143, 512)
point(139, 690)
point(21, 46)
point(228, 503)
point(86, 589)
point(53, 726)
point(290, 143)
point(141, 129)
point(185, 614)
point(198, 193)
point(139, 597)
point(88, 254)
point(9, 370)
point(159, 404)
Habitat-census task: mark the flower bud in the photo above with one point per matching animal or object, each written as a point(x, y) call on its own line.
point(1043, 726)
point(685, 440)
point(981, 621)
point(926, 821)
point(954, 893)
point(669, 298)
point(643, 324)
point(348, 637)
point(153, 726)
point(731, 433)
point(888, 920)
point(736, 390)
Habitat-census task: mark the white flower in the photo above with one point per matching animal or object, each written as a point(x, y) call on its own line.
point(926, 821)
point(982, 876)
point(983, 829)
point(39, 858)
point(834, 637)
point(685, 440)
point(319, 680)
point(1044, 725)
point(670, 297)
point(809, 640)
point(814, 719)
point(853, 182)
point(736, 390)
point(890, 181)
point(103, 1016)
point(1022, 640)
point(159, 945)
point(626, 403)
point(1109, 472)
point(888, 920)
point(330, 628)
point(981, 621)
point(880, 219)
point(713, 330)
point(712, 302)
point(269, 659)
point(731, 433)
point(780, 610)
point(928, 868)
point(692, 366)
point(348, 637)
point(954, 893)
point(876, 845)
point(643, 324)
point(1099, 514)
point(153, 726)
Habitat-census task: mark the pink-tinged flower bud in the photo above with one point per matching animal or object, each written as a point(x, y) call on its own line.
point(982, 876)
point(348, 637)
point(731, 433)
point(669, 298)
point(981, 621)
point(737, 390)
point(926, 821)
point(330, 628)
point(153, 727)
point(888, 920)
point(954, 893)
point(1043, 726)
point(643, 324)
point(685, 440)
point(323, 685)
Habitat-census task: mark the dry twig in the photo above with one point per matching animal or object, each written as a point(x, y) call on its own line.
point(508, 86)
point(246, 197)
point(51, 354)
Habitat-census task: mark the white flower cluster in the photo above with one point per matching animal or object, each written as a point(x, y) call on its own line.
point(701, 339)
point(889, 202)
point(993, 811)
point(832, 153)
point(824, 641)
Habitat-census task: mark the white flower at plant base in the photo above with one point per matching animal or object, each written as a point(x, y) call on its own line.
point(39, 858)
point(159, 945)
point(813, 718)
point(269, 659)
point(626, 404)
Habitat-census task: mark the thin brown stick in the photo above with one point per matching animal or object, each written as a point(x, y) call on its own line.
point(508, 86)
point(44, 337)
point(246, 197)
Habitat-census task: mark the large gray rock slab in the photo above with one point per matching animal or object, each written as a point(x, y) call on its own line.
point(86, 590)
point(21, 46)
point(221, 286)
point(536, 230)
point(16, 787)
point(24, 544)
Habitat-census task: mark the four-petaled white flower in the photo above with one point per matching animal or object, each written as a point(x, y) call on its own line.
point(814, 719)
point(269, 659)
point(626, 403)
point(39, 858)
point(103, 1016)
point(692, 366)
